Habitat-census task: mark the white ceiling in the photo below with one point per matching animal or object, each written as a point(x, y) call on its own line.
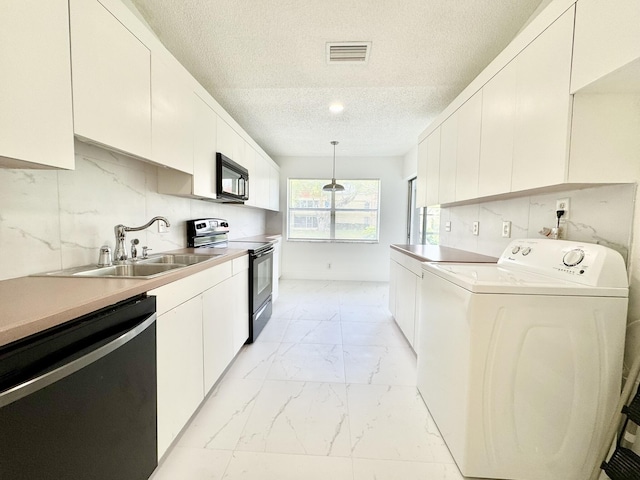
point(264, 61)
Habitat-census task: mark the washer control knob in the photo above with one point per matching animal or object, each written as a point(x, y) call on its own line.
point(515, 249)
point(526, 251)
point(573, 257)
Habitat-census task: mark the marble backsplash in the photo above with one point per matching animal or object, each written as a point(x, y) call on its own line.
point(602, 215)
point(51, 220)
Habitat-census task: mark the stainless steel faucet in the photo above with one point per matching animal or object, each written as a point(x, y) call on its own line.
point(120, 254)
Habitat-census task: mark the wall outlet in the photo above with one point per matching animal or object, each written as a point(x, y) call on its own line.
point(506, 229)
point(328, 266)
point(162, 228)
point(563, 204)
point(476, 228)
point(447, 226)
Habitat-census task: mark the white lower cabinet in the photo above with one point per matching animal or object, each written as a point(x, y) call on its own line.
point(179, 364)
point(217, 328)
point(202, 323)
point(225, 321)
point(404, 294)
point(239, 295)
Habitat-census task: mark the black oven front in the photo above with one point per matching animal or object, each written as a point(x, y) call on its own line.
point(260, 288)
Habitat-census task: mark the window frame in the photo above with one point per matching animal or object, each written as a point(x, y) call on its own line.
point(332, 210)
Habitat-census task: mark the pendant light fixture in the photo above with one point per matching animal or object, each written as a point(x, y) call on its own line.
point(333, 186)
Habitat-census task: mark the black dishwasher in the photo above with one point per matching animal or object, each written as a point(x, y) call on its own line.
point(79, 400)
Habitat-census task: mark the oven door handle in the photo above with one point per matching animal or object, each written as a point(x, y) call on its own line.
point(33, 385)
point(266, 252)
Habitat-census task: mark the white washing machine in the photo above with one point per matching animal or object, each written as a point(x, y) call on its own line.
point(520, 362)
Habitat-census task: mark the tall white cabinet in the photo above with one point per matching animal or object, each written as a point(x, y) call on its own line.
point(173, 117)
point(111, 81)
point(496, 143)
point(543, 108)
point(36, 118)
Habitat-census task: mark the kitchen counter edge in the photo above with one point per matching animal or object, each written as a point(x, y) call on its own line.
point(33, 304)
point(437, 253)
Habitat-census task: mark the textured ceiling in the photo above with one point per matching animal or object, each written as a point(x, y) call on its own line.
point(264, 61)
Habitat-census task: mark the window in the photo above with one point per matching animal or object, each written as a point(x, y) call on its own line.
point(423, 224)
point(352, 215)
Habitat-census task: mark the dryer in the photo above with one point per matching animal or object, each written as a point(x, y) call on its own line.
point(520, 362)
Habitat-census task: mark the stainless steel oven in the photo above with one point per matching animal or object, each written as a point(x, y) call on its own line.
point(260, 284)
point(213, 233)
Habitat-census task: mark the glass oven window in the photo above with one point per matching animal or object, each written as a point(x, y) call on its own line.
point(264, 275)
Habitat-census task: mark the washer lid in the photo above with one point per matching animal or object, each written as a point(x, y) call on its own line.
point(484, 278)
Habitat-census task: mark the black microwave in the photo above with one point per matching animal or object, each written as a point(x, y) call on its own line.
point(232, 180)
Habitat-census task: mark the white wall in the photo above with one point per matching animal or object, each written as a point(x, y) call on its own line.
point(58, 219)
point(357, 261)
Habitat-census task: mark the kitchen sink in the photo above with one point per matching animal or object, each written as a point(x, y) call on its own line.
point(129, 270)
point(142, 268)
point(177, 258)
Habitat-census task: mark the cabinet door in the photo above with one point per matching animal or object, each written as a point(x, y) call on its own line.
point(468, 149)
point(543, 108)
point(36, 122)
point(277, 257)
point(172, 115)
point(433, 168)
point(393, 286)
point(406, 302)
point(259, 182)
point(421, 185)
point(217, 330)
point(448, 158)
point(607, 37)
point(180, 371)
point(496, 145)
point(274, 188)
point(204, 149)
point(111, 81)
point(225, 138)
point(240, 298)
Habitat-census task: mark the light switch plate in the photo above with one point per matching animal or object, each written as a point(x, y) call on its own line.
point(476, 228)
point(506, 229)
point(447, 226)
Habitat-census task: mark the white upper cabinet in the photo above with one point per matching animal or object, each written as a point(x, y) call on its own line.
point(607, 37)
point(468, 150)
point(274, 188)
point(259, 182)
point(204, 149)
point(496, 145)
point(226, 138)
point(543, 108)
point(432, 194)
point(172, 122)
point(36, 123)
point(448, 157)
point(111, 81)
point(421, 183)
point(202, 182)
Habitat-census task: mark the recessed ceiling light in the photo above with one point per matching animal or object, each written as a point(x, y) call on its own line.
point(336, 107)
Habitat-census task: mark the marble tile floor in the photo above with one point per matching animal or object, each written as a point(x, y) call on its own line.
point(326, 392)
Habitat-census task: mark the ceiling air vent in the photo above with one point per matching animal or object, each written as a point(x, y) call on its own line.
point(348, 52)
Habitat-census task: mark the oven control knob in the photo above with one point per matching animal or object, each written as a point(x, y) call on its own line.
point(526, 251)
point(515, 249)
point(573, 257)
